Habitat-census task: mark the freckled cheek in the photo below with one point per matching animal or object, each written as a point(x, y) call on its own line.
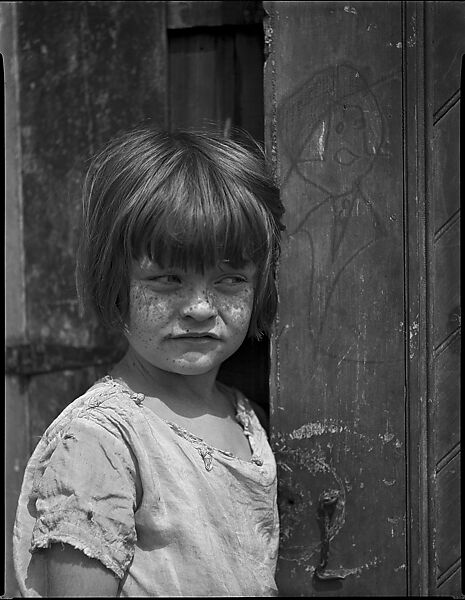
point(238, 310)
point(147, 311)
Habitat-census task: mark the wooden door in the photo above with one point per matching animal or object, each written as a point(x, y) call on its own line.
point(362, 394)
point(444, 57)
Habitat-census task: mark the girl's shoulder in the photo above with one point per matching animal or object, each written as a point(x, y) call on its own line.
point(105, 403)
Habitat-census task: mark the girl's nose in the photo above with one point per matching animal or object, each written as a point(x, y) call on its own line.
point(199, 307)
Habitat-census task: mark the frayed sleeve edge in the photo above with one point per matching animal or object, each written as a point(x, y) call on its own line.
point(117, 565)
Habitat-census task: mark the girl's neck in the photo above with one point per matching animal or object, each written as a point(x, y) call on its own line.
point(142, 377)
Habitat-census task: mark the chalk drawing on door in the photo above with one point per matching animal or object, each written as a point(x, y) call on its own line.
point(331, 133)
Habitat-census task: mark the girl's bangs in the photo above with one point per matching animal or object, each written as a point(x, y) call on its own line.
point(198, 231)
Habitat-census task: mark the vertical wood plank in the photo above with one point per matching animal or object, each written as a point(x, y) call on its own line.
point(446, 179)
point(417, 124)
point(334, 121)
point(195, 59)
point(446, 283)
point(88, 70)
point(448, 505)
point(447, 398)
point(249, 81)
point(446, 49)
point(16, 397)
point(215, 77)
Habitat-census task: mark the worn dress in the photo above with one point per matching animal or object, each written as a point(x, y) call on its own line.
point(167, 513)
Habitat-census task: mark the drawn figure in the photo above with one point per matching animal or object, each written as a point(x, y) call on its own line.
point(331, 135)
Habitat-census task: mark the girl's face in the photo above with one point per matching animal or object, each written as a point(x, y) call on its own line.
point(187, 322)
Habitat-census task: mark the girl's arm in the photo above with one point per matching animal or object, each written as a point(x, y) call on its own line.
point(72, 573)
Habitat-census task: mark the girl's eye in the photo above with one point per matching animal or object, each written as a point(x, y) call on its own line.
point(232, 280)
point(165, 279)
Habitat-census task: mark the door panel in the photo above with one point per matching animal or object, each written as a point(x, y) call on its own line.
point(362, 116)
point(338, 422)
point(79, 86)
point(445, 50)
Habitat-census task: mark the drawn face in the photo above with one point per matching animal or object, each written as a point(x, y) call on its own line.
point(332, 129)
point(187, 322)
point(337, 149)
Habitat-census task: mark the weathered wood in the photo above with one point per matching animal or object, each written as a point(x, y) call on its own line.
point(446, 176)
point(87, 71)
point(416, 125)
point(50, 393)
point(38, 358)
point(448, 515)
point(215, 79)
point(447, 397)
point(447, 26)
point(448, 49)
point(333, 111)
point(181, 15)
point(450, 584)
point(16, 432)
point(446, 285)
point(201, 91)
point(249, 59)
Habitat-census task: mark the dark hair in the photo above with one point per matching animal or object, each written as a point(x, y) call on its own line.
point(186, 199)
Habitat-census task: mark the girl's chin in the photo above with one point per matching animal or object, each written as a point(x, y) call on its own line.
point(193, 366)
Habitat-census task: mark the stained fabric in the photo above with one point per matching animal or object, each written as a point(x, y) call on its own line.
point(169, 514)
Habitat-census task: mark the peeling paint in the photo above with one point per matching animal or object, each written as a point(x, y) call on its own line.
point(413, 332)
point(311, 429)
point(350, 9)
point(414, 327)
point(387, 437)
point(412, 38)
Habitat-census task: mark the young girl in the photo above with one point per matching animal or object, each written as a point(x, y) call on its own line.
point(159, 480)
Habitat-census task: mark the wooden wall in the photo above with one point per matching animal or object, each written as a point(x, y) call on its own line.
point(445, 52)
point(334, 111)
point(361, 121)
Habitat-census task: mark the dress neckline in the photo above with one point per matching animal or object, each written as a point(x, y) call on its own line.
point(205, 449)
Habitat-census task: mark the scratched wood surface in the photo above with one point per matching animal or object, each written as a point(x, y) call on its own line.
point(447, 26)
point(333, 117)
point(216, 77)
point(88, 70)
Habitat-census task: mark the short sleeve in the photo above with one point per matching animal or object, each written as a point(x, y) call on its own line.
point(85, 495)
